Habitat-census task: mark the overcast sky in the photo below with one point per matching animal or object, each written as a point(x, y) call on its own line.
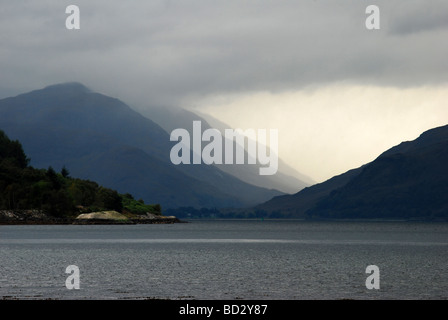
point(338, 93)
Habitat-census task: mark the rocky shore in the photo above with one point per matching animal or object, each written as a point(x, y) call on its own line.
point(113, 217)
point(37, 217)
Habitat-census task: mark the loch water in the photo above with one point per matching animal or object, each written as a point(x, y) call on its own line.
point(226, 259)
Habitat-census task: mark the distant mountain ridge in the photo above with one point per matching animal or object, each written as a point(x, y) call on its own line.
point(101, 138)
point(408, 181)
point(286, 179)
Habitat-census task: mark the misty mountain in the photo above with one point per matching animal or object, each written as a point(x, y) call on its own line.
point(287, 179)
point(101, 138)
point(407, 181)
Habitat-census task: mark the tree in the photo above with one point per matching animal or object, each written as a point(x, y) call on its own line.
point(13, 150)
point(157, 208)
point(65, 173)
point(109, 199)
point(53, 178)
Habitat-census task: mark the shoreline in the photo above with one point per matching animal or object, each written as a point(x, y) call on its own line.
point(176, 220)
point(35, 217)
point(91, 222)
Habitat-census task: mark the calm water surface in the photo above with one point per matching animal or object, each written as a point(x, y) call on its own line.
point(226, 260)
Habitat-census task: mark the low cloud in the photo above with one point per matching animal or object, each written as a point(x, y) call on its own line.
point(163, 52)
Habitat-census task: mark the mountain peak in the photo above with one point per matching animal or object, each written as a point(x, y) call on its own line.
point(72, 87)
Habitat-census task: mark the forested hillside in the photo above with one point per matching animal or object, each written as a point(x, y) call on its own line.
point(23, 187)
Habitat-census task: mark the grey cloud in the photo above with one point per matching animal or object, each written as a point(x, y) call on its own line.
point(161, 52)
point(414, 17)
